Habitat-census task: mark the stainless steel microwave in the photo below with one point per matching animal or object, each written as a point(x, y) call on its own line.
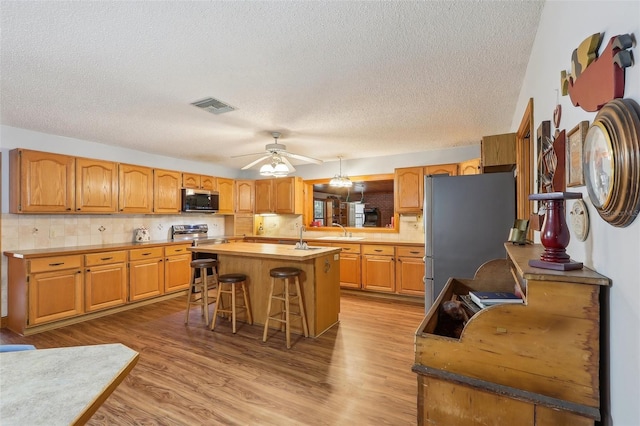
point(200, 200)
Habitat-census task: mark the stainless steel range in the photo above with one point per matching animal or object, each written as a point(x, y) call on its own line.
point(197, 234)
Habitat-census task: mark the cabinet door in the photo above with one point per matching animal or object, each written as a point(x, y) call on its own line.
point(190, 180)
point(244, 196)
point(498, 150)
point(208, 183)
point(146, 278)
point(55, 295)
point(378, 273)
point(105, 286)
point(408, 189)
point(96, 186)
point(410, 275)
point(470, 167)
point(442, 169)
point(288, 195)
point(136, 189)
point(226, 189)
point(166, 191)
point(177, 272)
point(264, 196)
point(41, 182)
point(349, 270)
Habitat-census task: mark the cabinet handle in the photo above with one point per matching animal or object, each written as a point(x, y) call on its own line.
point(56, 264)
point(377, 250)
point(345, 248)
point(68, 208)
point(146, 254)
point(79, 271)
point(106, 258)
point(78, 209)
point(88, 270)
point(414, 252)
point(178, 250)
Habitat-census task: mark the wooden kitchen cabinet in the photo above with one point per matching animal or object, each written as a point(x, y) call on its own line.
point(96, 184)
point(105, 280)
point(135, 189)
point(410, 270)
point(245, 196)
point(279, 195)
point(535, 363)
point(408, 189)
point(177, 267)
point(196, 181)
point(41, 182)
point(470, 167)
point(166, 191)
point(442, 169)
point(146, 273)
point(264, 199)
point(498, 152)
point(378, 268)
point(226, 189)
point(350, 265)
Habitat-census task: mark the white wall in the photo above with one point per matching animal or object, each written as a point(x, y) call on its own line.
point(613, 252)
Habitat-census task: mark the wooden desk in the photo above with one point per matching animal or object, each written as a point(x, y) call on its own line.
point(320, 278)
point(60, 386)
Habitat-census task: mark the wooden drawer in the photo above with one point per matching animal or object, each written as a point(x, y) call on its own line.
point(348, 248)
point(55, 263)
point(105, 258)
point(377, 250)
point(410, 251)
point(145, 253)
point(177, 249)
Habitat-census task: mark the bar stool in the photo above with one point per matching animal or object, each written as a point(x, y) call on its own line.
point(230, 284)
point(206, 283)
point(286, 274)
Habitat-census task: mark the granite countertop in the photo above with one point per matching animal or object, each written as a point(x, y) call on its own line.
point(60, 386)
point(268, 251)
point(338, 239)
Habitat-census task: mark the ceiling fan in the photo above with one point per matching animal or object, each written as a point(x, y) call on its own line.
point(276, 156)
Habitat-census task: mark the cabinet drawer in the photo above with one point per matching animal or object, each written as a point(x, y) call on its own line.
point(56, 263)
point(105, 258)
point(348, 248)
point(145, 253)
point(410, 251)
point(377, 250)
point(178, 249)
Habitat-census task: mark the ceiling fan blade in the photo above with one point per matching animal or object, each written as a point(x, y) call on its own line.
point(301, 157)
point(288, 164)
point(247, 155)
point(253, 163)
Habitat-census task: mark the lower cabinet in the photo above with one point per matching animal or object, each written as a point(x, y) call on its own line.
point(378, 268)
point(146, 273)
point(55, 289)
point(410, 270)
point(105, 280)
point(177, 268)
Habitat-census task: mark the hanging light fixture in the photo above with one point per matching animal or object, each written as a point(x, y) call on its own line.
point(276, 168)
point(340, 181)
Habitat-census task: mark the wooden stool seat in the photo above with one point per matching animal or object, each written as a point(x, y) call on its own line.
point(284, 298)
point(227, 285)
point(206, 283)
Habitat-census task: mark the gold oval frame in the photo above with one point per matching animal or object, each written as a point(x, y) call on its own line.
point(620, 122)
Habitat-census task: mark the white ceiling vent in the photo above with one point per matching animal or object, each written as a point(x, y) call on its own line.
point(214, 106)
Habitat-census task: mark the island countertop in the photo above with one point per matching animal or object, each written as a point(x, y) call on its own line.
point(266, 251)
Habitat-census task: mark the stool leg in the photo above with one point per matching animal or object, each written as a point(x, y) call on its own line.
point(247, 306)
point(266, 322)
point(205, 295)
point(215, 310)
point(287, 323)
point(302, 310)
point(190, 294)
point(233, 307)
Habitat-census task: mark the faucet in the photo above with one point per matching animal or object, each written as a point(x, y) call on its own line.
point(342, 227)
point(302, 228)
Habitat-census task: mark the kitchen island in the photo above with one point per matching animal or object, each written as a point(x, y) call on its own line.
point(320, 278)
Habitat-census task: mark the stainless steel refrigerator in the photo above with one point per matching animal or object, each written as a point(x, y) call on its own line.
point(466, 222)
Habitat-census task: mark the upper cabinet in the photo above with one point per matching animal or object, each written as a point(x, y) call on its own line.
point(41, 182)
point(245, 195)
point(498, 152)
point(470, 167)
point(136, 189)
point(195, 181)
point(166, 191)
point(442, 169)
point(96, 186)
point(226, 189)
point(408, 189)
point(279, 195)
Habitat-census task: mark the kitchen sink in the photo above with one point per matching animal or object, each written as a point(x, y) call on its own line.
point(335, 238)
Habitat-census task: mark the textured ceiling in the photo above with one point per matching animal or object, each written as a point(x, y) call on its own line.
point(351, 79)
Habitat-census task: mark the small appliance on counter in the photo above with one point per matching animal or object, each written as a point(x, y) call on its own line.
point(141, 235)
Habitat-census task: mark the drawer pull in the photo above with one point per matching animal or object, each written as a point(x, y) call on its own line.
point(178, 250)
point(414, 252)
point(56, 264)
point(377, 250)
point(106, 258)
point(146, 254)
point(346, 248)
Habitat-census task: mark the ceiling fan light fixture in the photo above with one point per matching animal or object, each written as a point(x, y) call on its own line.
point(340, 181)
point(267, 170)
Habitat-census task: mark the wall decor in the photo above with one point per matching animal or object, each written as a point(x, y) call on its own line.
point(611, 162)
point(579, 217)
point(543, 144)
point(574, 145)
point(595, 80)
point(559, 143)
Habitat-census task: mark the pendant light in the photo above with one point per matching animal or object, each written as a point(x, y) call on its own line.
point(276, 168)
point(340, 181)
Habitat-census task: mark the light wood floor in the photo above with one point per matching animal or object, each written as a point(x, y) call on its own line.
point(357, 373)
